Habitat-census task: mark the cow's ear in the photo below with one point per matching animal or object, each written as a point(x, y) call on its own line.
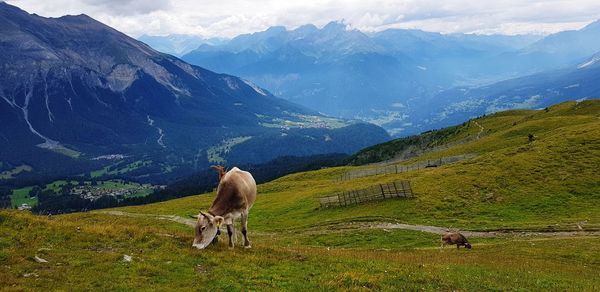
point(218, 220)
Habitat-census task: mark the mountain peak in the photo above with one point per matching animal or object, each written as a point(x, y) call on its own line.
point(275, 29)
point(80, 19)
point(5, 7)
point(337, 25)
point(306, 28)
point(595, 25)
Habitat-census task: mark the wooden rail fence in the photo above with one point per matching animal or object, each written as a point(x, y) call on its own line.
point(413, 152)
point(397, 189)
point(402, 168)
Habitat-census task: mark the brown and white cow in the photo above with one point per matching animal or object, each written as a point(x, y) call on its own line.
point(236, 194)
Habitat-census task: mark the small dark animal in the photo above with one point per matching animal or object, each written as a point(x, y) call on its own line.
point(455, 238)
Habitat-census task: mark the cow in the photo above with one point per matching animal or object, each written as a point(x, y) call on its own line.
point(455, 238)
point(236, 194)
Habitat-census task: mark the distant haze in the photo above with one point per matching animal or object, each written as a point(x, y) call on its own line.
point(233, 17)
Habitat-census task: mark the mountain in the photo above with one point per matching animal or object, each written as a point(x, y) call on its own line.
point(564, 48)
point(177, 44)
point(347, 73)
point(578, 82)
point(77, 95)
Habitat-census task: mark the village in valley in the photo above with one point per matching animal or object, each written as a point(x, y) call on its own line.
point(118, 189)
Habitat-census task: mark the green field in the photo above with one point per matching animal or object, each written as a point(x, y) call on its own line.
point(8, 174)
point(119, 184)
point(21, 196)
point(121, 169)
point(215, 154)
point(513, 184)
point(66, 151)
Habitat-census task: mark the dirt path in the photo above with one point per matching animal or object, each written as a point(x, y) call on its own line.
point(174, 218)
point(343, 227)
point(383, 226)
point(481, 129)
point(440, 230)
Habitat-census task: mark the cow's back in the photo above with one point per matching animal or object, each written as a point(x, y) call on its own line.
point(245, 184)
point(236, 192)
point(454, 238)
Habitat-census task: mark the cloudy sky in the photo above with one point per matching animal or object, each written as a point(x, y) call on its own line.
point(227, 18)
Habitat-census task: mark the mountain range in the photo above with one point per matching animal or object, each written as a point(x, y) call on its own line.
point(178, 44)
point(394, 77)
point(576, 82)
point(77, 95)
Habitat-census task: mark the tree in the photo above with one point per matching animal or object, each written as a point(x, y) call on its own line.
point(5, 194)
point(35, 191)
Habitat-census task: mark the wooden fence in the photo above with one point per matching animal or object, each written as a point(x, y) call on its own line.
point(397, 189)
point(413, 152)
point(402, 168)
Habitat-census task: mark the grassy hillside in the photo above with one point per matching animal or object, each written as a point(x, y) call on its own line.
point(549, 184)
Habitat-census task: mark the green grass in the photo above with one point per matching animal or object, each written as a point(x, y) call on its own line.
point(551, 183)
point(65, 151)
point(215, 154)
point(21, 196)
point(78, 246)
point(8, 174)
point(122, 169)
point(56, 185)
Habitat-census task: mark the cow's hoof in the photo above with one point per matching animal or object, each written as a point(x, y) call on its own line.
point(248, 246)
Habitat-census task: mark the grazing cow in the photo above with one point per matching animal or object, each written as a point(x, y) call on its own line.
point(455, 238)
point(220, 169)
point(236, 194)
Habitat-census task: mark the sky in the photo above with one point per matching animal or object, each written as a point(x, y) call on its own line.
point(228, 18)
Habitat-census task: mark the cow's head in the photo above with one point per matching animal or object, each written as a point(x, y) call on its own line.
point(206, 229)
point(468, 245)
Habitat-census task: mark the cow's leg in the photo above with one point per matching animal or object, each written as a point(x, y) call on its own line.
point(230, 232)
point(245, 229)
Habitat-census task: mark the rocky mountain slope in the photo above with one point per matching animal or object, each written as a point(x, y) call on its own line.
point(76, 93)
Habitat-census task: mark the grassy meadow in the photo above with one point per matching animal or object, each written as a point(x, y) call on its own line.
point(526, 187)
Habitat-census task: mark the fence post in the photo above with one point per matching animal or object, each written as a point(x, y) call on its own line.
point(396, 189)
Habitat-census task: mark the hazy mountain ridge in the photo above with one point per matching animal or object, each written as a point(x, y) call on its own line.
point(378, 77)
point(178, 44)
point(579, 82)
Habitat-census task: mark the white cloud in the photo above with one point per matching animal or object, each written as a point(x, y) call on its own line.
point(233, 17)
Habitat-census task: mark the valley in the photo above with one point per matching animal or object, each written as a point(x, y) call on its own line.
point(407, 80)
point(530, 209)
point(88, 190)
point(237, 146)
